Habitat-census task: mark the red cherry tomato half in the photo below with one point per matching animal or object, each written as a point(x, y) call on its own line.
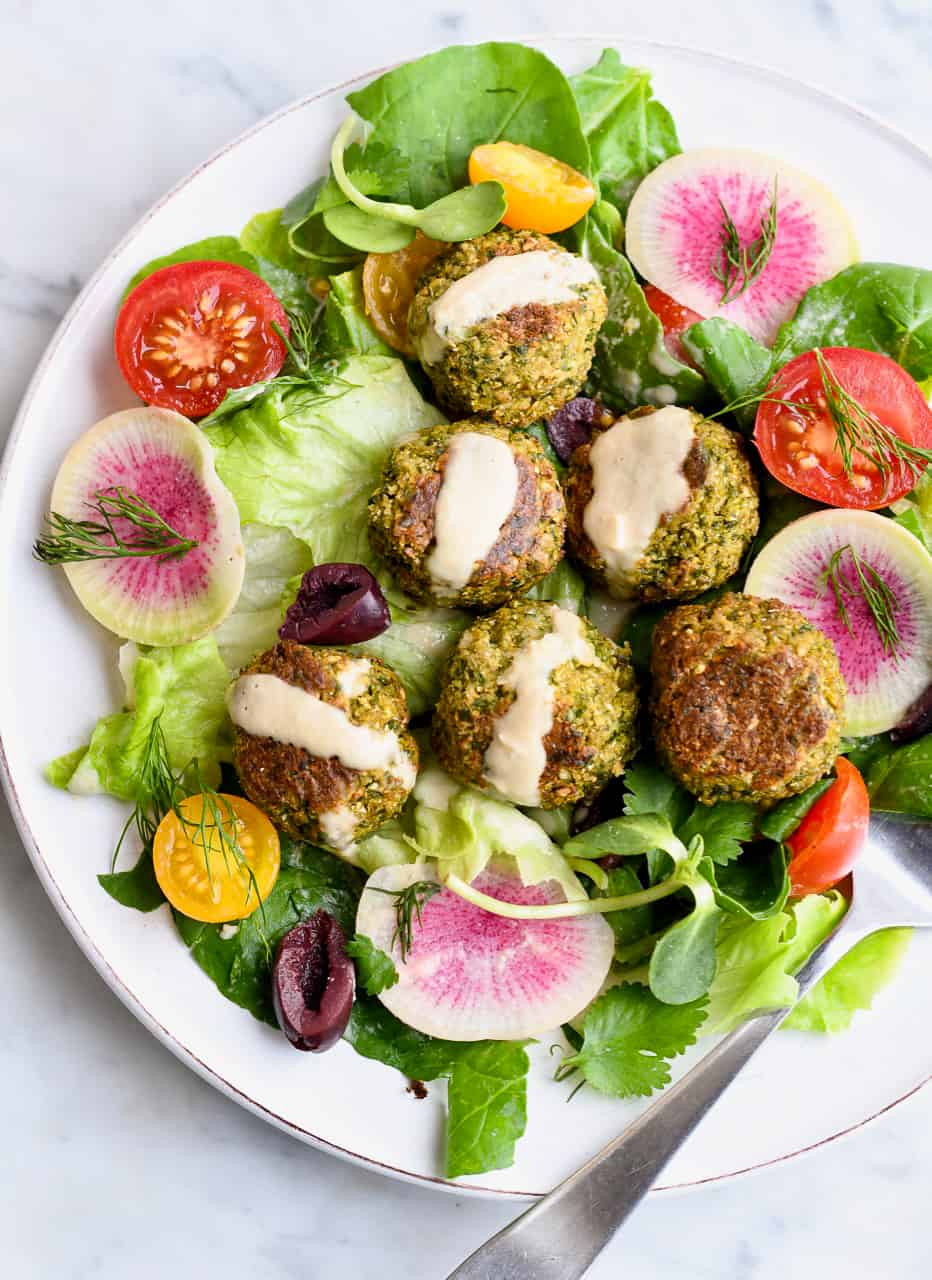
point(675, 318)
point(827, 842)
point(798, 442)
point(189, 333)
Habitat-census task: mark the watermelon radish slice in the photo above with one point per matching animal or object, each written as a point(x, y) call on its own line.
point(882, 683)
point(675, 225)
point(471, 975)
point(164, 459)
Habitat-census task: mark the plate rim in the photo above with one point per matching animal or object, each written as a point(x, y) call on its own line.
point(85, 942)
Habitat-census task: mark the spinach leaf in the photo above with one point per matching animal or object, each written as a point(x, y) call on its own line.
point(375, 1033)
point(634, 923)
point(240, 963)
point(374, 969)
point(487, 1107)
point(632, 365)
point(137, 888)
point(784, 818)
point(213, 249)
point(284, 271)
point(723, 827)
point(629, 1037)
point(877, 306)
point(756, 885)
point(628, 131)
point(433, 111)
point(735, 364)
point(900, 779)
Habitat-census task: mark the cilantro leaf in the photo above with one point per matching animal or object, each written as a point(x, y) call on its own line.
point(375, 970)
point(487, 1102)
point(650, 790)
point(629, 1036)
point(723, 827)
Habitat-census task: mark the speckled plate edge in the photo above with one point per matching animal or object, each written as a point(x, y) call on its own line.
point(50, 885)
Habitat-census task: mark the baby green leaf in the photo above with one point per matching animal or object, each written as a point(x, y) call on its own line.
point(682, 965)
point(755, 885)
point(629, 1036)
point(487, 1102)
point(368, 232)
point(626, 837)
point(375, 970)
point(469, 212)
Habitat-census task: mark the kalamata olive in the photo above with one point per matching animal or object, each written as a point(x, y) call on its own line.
point(916, 721)
point(572, 425)
point(313, 983)
point(336, 604)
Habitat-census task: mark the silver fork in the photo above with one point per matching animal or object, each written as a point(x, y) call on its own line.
point(559, 1237)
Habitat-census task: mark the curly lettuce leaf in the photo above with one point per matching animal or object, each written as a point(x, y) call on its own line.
point(629, 132)
point(308, 458)
point(185, 687)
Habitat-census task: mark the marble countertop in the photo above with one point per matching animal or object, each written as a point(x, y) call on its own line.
point(119, 1163)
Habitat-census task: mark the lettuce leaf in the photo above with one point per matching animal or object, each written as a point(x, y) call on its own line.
point(308, 458)
point(185, 686)
point(852, 984)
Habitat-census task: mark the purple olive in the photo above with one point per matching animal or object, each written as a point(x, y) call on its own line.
point(313, 983)
point(573, 425)
point(336, 604)
point(916, 721)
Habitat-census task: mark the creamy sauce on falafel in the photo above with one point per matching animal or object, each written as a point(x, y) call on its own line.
point(637, 480)
point(545, 276)
point(338, 827)
point(268, 707)
point(480, 485)
point(517, 755)
point(353, 680)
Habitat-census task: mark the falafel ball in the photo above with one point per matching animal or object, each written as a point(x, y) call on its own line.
point(747, 699)
point(356, 707)
point(470, 514)
point(505, 326)
point(661, 505)
point(537, 706)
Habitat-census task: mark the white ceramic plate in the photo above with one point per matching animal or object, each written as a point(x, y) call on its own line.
point(59, 676)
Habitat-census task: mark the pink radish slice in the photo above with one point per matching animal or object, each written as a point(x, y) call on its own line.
point(673, 233)
point(882, 685)
point(472, 975)
point(164, 459)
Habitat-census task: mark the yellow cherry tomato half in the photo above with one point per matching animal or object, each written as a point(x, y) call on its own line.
point(218, 860)
point(389, 282)
point(542, 194)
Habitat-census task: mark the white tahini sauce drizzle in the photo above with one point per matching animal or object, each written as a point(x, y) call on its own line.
point(338, 827)
point(516, 756)
point(510, 280)
point(354, 678)
point(480, 485)
point(268, 707)
point(637, 479)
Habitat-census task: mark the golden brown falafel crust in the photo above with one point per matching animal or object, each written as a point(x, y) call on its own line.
point(521, 365)
point(746, 701)
point(692, 550)
point(403, 508)
point(294, 787)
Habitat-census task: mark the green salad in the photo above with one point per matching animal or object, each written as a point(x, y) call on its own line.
point(522, 550)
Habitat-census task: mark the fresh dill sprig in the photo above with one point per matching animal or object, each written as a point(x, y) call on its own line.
point(858, 430)
point(216, 830)
point(70, 541)
point(300, 342)
point(156, 794)
point(408, 904)
point(738, 265)
point(872, 587)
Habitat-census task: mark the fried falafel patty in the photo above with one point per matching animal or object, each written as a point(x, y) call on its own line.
point(321, 744)
point(537, 706)
point(661, 505)
point(470, 514)
point(747, 699)
point(505, 326)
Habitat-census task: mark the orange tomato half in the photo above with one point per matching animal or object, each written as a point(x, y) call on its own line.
point(216, 858)
point(542, 194)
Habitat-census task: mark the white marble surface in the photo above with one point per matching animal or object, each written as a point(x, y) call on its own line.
point(118, 1162)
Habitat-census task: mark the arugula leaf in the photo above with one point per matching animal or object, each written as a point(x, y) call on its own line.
point(629, 1037)
point(500, 90)
point(487, 1102)
point(375, 970)
point(136, 888)
point(723, 827)
point(650, 790)
point(852, 983)
point(628, 131)
point(632, 365)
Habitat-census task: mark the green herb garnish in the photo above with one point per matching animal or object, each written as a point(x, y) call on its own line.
point(408, 904)
point(739, 265)
point(156, 794)
point(872, 587)
point(72, 541)
point(216, 830)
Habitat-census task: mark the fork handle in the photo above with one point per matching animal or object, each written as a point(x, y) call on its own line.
point(559, 1237)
